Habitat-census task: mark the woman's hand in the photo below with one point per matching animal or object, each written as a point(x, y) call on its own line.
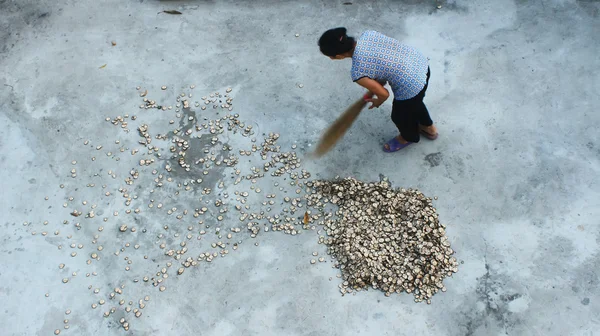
point(376, 102)
point(375, 88)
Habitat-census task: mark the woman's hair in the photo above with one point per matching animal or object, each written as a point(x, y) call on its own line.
point(335, 42)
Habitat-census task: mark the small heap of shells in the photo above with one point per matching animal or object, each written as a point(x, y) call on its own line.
point(143, 130)
point(388, 239)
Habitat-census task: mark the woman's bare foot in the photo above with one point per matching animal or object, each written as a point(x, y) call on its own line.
point(400, 140)
point(429, 131)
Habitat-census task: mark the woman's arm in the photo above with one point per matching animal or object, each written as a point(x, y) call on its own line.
point(376, 88)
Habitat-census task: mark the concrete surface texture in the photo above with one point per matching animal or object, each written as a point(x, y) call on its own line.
point(514, 92)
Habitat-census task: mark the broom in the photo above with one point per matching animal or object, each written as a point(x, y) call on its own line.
point(339, 127)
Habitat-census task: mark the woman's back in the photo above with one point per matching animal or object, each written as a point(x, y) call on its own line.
point(381, 57)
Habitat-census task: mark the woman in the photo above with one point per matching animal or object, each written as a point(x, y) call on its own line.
point(377, 59)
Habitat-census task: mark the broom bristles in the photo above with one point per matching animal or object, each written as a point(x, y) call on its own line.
point(339, 128)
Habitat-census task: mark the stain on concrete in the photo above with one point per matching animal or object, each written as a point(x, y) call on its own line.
point(590, 7)
point(585, 276)
point(490, 310)
point(453, 5)
point(198, 146)
point(434, 159)
point(378, 316)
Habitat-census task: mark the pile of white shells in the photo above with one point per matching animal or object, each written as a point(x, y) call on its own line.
point(388, 239)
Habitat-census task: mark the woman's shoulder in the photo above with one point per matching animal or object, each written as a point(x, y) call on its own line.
point(372, 35)
point(369, 32)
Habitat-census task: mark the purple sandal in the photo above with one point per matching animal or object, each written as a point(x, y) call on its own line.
point(395, 145)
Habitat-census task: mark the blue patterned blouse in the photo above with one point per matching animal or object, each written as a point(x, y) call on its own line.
point(380, 57)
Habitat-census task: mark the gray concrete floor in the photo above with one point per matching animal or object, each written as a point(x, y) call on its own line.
point(514, 92)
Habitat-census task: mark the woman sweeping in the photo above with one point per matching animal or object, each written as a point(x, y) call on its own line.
point(377, 59)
